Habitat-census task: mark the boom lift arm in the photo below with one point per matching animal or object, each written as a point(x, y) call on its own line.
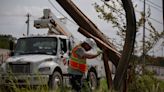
point(54, 24)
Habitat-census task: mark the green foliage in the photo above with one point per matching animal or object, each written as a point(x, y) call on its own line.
point(44, 88)
point(103, 86)
point(113, 13)
point(146, 83)
point(157, 61)
point(5, 41)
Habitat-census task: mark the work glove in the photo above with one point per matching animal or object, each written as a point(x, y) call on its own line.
point(99, 52)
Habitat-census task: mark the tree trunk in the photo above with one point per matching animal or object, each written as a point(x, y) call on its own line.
point(87, 25)
point(128, 46)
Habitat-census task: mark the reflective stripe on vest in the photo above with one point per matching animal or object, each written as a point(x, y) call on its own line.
point(76, 63)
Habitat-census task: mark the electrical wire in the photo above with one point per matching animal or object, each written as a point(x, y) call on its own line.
point(151, 18)
point(11, 15)
point(152, 6)
point(156, 20)
point(135, 10)
point(109, 7)
point(56, 8)
point(61, 13)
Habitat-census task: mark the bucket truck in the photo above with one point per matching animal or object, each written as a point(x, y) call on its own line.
point(42, 60)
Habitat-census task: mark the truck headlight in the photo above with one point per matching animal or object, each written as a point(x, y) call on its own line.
point(44, 69)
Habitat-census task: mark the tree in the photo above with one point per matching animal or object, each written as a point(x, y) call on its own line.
point(114, 12)
point(6, 41)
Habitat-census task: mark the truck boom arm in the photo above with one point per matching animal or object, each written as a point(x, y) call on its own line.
point(50, 21)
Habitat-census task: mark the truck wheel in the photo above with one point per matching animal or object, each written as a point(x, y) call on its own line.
point(56, 80)
point(93, 82)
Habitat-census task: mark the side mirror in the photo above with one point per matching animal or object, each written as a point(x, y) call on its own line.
point(11, 44)
point(11, 53)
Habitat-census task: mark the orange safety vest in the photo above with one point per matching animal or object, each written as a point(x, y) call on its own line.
point(77, 63)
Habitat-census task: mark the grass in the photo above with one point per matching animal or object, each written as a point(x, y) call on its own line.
point(44, 88)
point(145, 84)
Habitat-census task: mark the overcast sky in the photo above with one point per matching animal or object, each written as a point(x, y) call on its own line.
point(13, 15)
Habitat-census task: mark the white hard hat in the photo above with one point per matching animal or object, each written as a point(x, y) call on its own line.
point(90, 42)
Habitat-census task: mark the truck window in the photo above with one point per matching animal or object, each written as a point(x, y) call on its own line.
point(63, 45)
point(36, 45)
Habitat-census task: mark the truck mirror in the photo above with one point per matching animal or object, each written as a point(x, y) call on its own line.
point(11, 53)
point(11, 44)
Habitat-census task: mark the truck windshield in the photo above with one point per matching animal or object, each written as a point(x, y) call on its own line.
point(36, 45)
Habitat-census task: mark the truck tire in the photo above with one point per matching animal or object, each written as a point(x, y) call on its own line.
point(56, 80)
point(93, 81)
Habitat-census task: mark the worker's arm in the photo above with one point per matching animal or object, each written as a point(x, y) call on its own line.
point(90, 56)
point(82, 53)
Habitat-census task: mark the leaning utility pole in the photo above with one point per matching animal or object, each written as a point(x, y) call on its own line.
point(88, 29)
point(89, 26)
point(143, 53)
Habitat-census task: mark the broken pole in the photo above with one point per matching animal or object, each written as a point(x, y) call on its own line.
point(105, 55)
point(89, 26)
point(107, 69)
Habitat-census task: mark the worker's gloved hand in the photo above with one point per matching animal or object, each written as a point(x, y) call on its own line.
point(99, 52)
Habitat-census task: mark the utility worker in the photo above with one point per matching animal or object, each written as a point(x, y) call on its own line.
point(77, 63)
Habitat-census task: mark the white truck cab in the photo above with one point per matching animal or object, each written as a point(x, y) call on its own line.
point(42, 60)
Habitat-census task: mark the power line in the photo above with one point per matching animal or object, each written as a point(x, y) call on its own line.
point(151, 18)
point(135, 10)
point(56, 8)
point(156, 20)
point(12, 15)
point(61, 12)
point(152, 6)
point(105, 4)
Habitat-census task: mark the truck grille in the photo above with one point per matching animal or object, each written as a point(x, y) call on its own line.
point(19, 68)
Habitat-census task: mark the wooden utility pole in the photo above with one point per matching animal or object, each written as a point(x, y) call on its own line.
point(105, 55)
point(163, 15)
point(143, 38)
point(86, 24)
point(28, 23)
point(89, 26)
point(88, 29)
point(108, 74)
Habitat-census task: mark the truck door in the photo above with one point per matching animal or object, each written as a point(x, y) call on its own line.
point(64, 55)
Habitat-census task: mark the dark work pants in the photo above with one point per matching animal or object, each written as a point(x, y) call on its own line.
point(76, 82)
